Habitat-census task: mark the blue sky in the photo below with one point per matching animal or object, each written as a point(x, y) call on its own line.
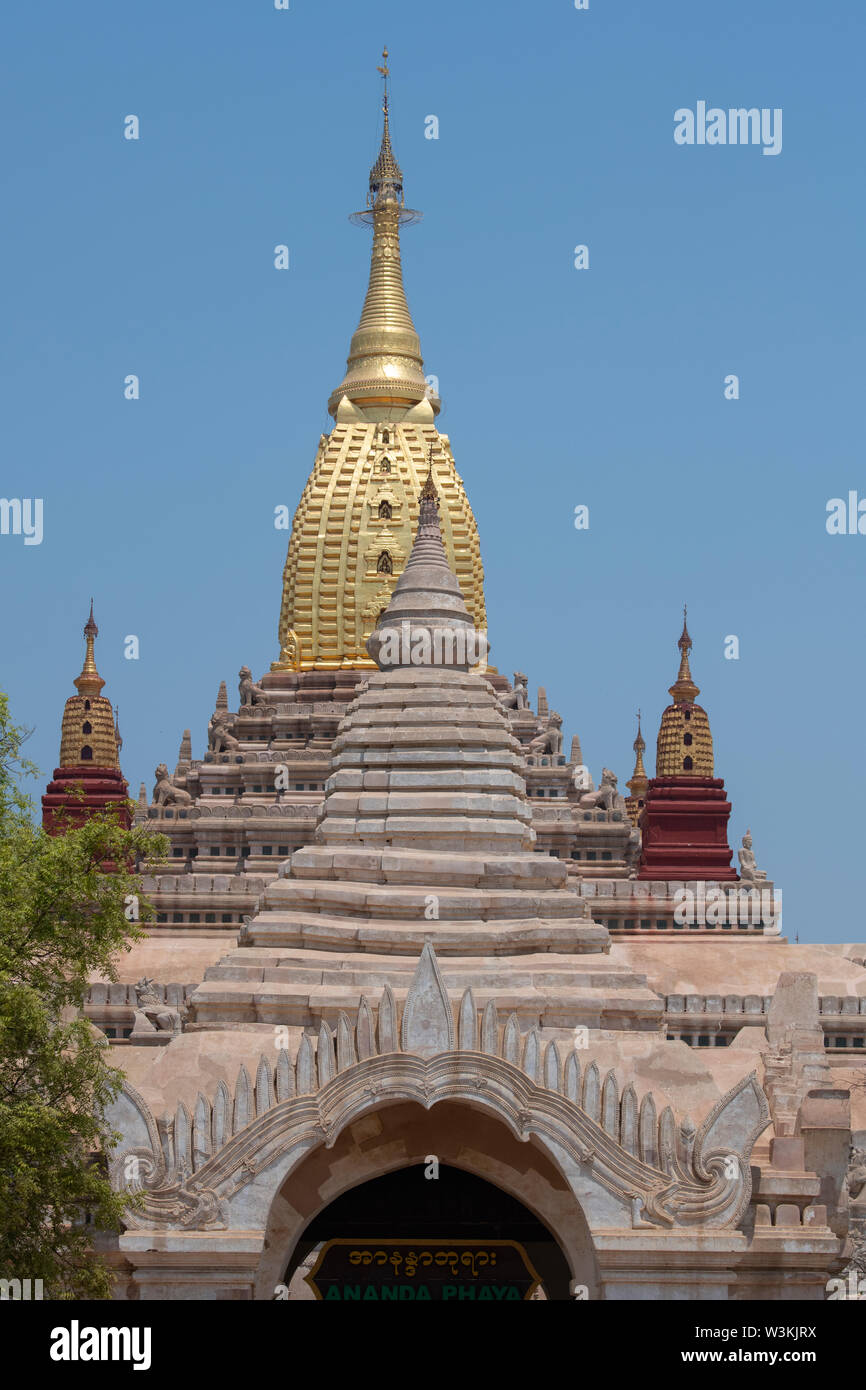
point(560, 387)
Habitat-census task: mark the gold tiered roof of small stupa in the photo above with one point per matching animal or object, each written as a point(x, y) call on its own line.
point(352, 531)
point(638, 782)
point(88, 732)
point(685, 744)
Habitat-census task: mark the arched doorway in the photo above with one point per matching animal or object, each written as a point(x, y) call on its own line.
point(430, 1230)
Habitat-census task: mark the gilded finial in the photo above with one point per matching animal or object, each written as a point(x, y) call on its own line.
point(684, 690)
point(385, 366)
point(638, 782)
point(89, 682)
point(639, 745)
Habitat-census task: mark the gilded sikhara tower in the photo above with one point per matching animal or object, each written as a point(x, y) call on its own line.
point(353, 529)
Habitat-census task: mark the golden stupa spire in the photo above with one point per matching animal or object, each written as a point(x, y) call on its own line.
point(639, 774)
point(90, 681)
point(385, 366)
point(638, 782)
point(684, 690)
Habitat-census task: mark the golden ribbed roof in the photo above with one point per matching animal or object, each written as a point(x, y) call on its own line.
point(685, 743)
point(352, 535)
point(88, 732)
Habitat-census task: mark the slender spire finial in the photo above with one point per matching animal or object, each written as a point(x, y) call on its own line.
point(385, 366)
point(638, 782)
point(89, 682)
point(684, 690)
point(639, 745)
point(429, 491)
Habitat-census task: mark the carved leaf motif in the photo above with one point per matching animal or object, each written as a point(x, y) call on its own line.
point(572, 1077)
point(592, 1092)
point(243, 1106)
point(285, 1076)
point(365, 1031)
point(222, 1109)
point(490, 1030)
point(345, 1044)
point(532, 1056)
point(325, 1054)
point(306, 1067)
point(201, 1134)
point(551, 1067)
point(427, 1027)
point(610, 1105)
point(387, 1022)
point(263, 1087)
point(648, 1128)
point(511, 1041)
point(182, 1138)
point(628, 1121)
point(667, 1141)
point(468, 1023)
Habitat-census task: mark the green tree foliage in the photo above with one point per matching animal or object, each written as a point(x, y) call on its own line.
point(63, 919)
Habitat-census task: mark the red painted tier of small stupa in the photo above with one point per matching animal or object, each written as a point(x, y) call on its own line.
point(684, 829)
point(684, 821)
point(77, 793)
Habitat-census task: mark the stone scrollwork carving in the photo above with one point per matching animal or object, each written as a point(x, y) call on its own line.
point(857, 1209)
point(663, 1170)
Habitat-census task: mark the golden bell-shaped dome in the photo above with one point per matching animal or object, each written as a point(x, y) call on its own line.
point(88, 733)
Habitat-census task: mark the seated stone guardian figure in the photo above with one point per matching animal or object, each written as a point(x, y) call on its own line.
point(550, 738)
point(250, 693)
point(606, 798)
point(165, 793)
point(518, 698)
point(152, 1015)
point(220, 740)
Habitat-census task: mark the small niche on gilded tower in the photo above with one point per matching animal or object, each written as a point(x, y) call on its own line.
point(384, 564)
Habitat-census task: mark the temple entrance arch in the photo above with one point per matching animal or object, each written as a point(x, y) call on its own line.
point(428, 1229)
point(489, 1182)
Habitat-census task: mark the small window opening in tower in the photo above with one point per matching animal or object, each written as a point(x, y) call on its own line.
point(385, 466)
point(87, 753)
point(385, 510)
point(87, 704)
point(87, 727)
point(687, 764)
point(386, 438)
point(688, 714)
point(385, 564)
point(687, 740)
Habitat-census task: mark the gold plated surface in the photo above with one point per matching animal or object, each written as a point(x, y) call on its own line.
point(88, 719)
point(684, 734)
